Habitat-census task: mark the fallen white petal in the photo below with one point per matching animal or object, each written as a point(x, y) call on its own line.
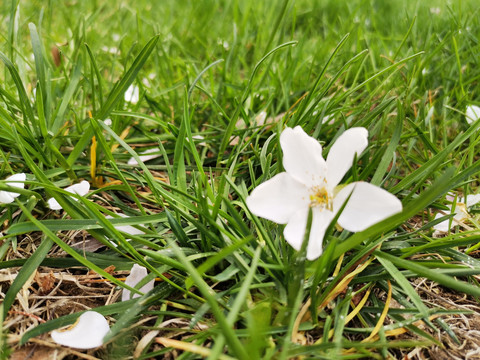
point(7, 197)
point(278, 198)
point(16, 180)
point(328, 119)
point(87, 333)
point(132, 94)
point(340, 157)
point(442, 226)
point(472, 200)
point(459, 216)
point(302, 156)
point(129, 229)
point(473, 113)
point(137, 274)
point(144, 156)
point(80, 189)
point(367, 205)
point(260, 118)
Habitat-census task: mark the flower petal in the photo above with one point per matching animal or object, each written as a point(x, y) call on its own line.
point(302, 157)
point(294, 232)
point(340, 157)
point(472, 200)
point(367, 205)
point(129, 229)
point(295, 229)
point(87, 333)
point(16, 180)
point(459, 216)
point(137, 274)
point(473, 113)
point(144, 156)
point(7, 197)
point(278, 198)
point(442, 226)
point(132, 94)
point(80, 189)
point(320, 222)
point(53, 204)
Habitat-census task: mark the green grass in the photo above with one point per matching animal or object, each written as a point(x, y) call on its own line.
point(210, 68)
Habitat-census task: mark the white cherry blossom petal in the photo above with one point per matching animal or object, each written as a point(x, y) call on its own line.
point(294, 232)
point(7, 197)
point(144, 156)
point(132, 94)
point(302, 156)
point(472, 113)
point(53, 204)
point(81, 189)
point(459, 215)
point(87, 333)
point(442, 226)
point(367, 205)
point(137, 274)
point(472, 200)
point(278, 199)
point(16, 180)
point(340, 157)
point(129, 229)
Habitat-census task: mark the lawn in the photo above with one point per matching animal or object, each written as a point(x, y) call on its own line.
point(268, 179)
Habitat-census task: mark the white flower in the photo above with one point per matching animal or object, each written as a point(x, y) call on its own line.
point(87, 333)
point(144, 156)
point(460, 213)
point(310, 182)
point(126, 228)
point(16, 180)
point(137, 274)
point(108, 122)
point(80, 189)
point(473, 113)
point(132, 94)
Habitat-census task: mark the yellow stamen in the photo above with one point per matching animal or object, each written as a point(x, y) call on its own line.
point(320, 197)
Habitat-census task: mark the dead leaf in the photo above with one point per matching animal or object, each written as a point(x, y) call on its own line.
point(46, 282)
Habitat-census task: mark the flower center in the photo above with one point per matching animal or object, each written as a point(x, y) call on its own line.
point(321, 198)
